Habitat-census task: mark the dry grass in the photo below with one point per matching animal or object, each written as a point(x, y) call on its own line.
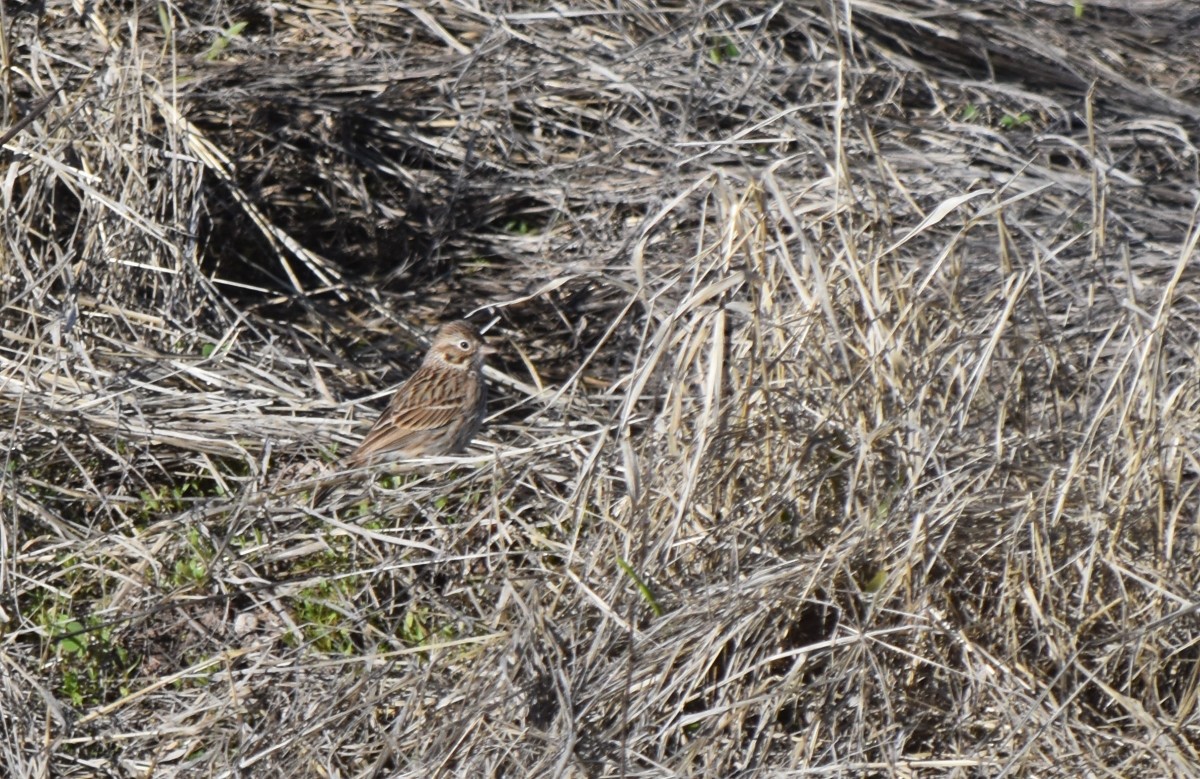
point(845, 422)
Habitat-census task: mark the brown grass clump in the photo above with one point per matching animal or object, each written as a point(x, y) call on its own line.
point(845, 421)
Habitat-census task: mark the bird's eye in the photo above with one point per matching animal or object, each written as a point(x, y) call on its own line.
point(464, 345)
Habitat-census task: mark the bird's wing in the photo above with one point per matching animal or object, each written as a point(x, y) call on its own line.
point(419, 407)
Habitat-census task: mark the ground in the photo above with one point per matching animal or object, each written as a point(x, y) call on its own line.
point(844, 417)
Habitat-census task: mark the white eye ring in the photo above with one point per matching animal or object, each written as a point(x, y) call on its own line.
point(465, 345)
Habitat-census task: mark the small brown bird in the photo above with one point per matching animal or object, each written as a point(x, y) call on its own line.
point(437, 410)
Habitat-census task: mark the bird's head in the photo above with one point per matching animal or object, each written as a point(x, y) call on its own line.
point(458, 344)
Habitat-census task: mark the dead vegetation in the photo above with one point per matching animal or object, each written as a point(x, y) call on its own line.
point(845, 421)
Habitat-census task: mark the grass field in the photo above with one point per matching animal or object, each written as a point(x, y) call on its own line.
point(845, 419)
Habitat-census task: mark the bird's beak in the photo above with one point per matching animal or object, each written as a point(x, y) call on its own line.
point(486, 350)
